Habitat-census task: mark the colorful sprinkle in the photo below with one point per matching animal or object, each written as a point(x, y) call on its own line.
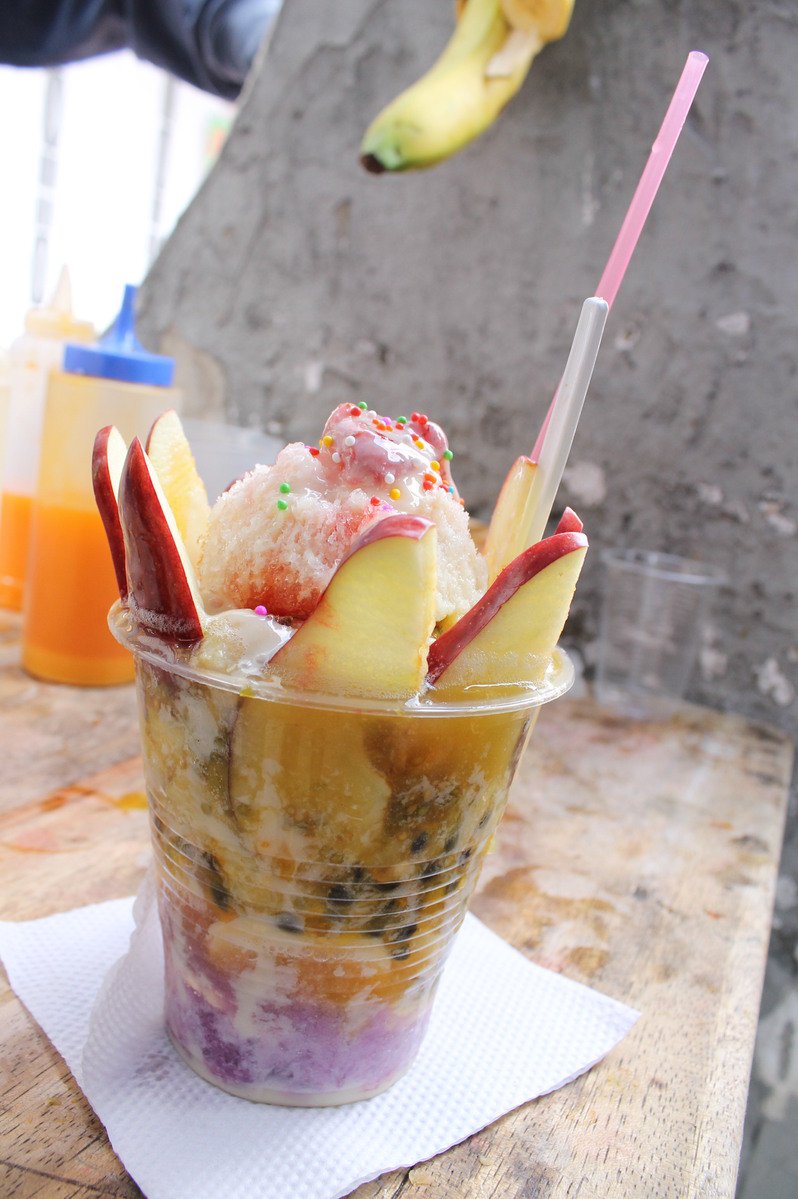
point(261, 611)
point(395, 493)
point(349, 440)
point(427, 485)
point(336, 457)
point(417, 441)
point(312, 450)
point(362, 406)
point(282, 505)
point(389, 478)
point(401, 420)
point(285, 488)
point(327, 440)
point(354, 412)
point(450, 490)
point(435, 466)
point(448, 455)
point(374, 500)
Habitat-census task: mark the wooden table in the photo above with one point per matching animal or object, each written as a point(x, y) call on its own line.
point(640, 859)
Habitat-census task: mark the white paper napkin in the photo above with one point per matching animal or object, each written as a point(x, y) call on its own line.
point(503, 1031)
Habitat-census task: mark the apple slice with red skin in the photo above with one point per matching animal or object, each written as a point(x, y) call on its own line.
point(107, 461)
point(170, 453)
point(506, 534)
point(569, 522)
point(507, 637)
point(369, 633)
point(162, 590)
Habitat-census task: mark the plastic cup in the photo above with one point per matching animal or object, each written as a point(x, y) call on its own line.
point(653, 609)
point(314, 860)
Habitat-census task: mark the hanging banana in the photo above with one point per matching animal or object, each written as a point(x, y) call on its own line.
point(482, 67)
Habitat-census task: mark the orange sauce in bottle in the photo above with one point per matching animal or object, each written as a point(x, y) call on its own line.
point(14, 534)
point(67, 639)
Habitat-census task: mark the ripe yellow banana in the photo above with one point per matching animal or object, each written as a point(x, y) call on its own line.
point(482, 67)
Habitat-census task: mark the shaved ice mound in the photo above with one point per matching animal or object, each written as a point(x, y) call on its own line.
point(277, 536)
point(283, 558)
point(462, 571)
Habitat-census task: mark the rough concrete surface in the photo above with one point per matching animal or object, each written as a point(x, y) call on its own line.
point(296, 281)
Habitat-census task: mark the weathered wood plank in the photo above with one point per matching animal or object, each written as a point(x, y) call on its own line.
point(639, 859)
point(51, 736)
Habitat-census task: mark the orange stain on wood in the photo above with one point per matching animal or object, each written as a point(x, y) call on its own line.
point(587, 959)
point(53, 802)
point(131, 801)
point(37, 842)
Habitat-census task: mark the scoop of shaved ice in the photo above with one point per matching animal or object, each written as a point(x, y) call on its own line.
point(277, 535)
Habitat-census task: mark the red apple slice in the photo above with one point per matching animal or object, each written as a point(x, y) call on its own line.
point(569, 522)
point(170, 453)
point(370, 631)
point(507, 533)
point(163, 592)
point(107, 460)
point(509, 635)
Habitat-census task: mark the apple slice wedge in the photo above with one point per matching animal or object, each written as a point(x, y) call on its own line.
point(569, 522)
point(170, 453)
point(107, 460)
point(509, 635)
point(506, 534)
point(162, 588)
point(369, 632)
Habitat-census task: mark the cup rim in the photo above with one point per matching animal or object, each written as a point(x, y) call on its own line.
point(558, 680)
point(659, 565)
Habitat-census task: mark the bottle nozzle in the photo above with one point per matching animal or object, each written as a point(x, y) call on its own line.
point(62, 296)
point(123, 332)
point(55, 319)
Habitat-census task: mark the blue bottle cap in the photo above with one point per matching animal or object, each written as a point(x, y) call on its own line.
point(119, 355)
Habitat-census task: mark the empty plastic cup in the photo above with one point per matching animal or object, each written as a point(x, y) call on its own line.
point(653, 609)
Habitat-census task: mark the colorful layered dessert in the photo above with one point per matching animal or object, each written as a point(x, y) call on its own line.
point(333, 702)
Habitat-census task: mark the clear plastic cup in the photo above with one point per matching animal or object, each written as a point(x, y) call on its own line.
point(314, 859)
point(653, 609)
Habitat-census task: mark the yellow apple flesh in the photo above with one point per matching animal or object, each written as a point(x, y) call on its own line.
point(170, 453)
point(507, 533)
point(370, 631)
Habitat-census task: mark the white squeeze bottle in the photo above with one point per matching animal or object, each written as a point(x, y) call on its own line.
point(30, 360)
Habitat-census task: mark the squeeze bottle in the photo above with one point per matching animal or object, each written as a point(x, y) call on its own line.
point(30, 360)
point(4, 399)
point(71, 585)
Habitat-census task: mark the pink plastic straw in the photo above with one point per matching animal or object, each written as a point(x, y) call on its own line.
point(651, 178)
point(647, 188)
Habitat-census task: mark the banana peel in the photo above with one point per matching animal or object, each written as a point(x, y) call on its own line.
point(483, 66)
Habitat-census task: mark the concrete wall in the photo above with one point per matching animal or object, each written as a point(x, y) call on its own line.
point(296, 281)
